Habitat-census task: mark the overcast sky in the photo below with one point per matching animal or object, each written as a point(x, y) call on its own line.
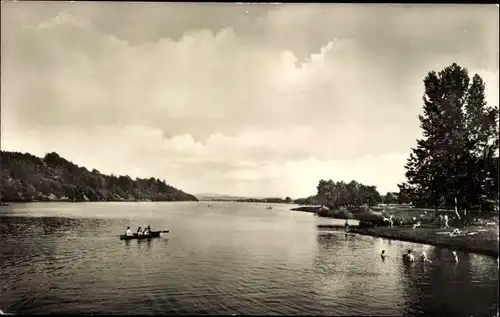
point(254, 100)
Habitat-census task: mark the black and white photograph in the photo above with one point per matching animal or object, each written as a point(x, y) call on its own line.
point(205, 158)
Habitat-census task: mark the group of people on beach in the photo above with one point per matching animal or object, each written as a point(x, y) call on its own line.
point(409, 257)
point(140, 231)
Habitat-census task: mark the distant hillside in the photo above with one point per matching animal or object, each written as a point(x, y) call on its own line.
point(217, 197)
point(25, 178)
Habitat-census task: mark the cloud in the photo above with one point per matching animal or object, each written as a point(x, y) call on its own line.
point(234, 165)
point(256, 104)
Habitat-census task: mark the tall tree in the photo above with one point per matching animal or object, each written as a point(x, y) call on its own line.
point(452, 161)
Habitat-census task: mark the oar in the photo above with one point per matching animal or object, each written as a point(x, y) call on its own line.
point(164, 231)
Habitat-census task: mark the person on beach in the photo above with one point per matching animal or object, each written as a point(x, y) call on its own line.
point(346, 225)
point(391, 222)
point(446, 221)
point(440, 220)
point(456, 232)
point(383, 255)
point(455, 256)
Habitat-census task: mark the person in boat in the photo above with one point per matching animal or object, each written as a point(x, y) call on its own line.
point(139, 231)
point(128, 232)
point(409, 257)
point(146, 231)
point(383, 255)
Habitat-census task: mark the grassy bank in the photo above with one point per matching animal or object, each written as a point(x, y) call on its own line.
point(484, 241)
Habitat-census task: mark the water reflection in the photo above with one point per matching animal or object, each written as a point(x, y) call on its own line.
point(231, 259)
point(353, 270)
point(440, 286)
point(424, 288)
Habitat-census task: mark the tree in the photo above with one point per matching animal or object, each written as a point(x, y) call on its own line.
point(288, 200)
point(372, 196)
point(452, 161)
point(403, 197)
point(349, 195)
point(390, 198)
point(481, 146)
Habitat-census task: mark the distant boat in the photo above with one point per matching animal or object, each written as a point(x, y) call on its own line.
point(269, 207)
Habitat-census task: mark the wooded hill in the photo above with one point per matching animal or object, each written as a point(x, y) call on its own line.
point(25, 178)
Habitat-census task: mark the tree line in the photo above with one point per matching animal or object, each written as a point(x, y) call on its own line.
point(454, 164)
point(350, 195)
point(272, 200)
point(24, 177)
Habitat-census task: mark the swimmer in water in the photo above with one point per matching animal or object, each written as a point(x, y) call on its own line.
point(424, 257)
point(383, 255)
point(409, 257)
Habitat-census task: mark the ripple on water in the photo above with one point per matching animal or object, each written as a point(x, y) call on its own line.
point(238, 259)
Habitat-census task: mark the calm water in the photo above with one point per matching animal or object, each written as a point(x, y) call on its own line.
point(235, 258)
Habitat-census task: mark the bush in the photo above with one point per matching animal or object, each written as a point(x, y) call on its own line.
point(341, 213)
point(374, 217)
point(365, 224)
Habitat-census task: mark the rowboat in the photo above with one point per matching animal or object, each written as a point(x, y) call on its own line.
point(152, 234)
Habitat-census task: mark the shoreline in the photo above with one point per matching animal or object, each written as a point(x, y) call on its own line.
point(7, 203)
point(480, 243)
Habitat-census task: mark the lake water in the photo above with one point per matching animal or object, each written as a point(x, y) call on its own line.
point(235, 258)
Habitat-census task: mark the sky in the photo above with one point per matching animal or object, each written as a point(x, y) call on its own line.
point(236, 99)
